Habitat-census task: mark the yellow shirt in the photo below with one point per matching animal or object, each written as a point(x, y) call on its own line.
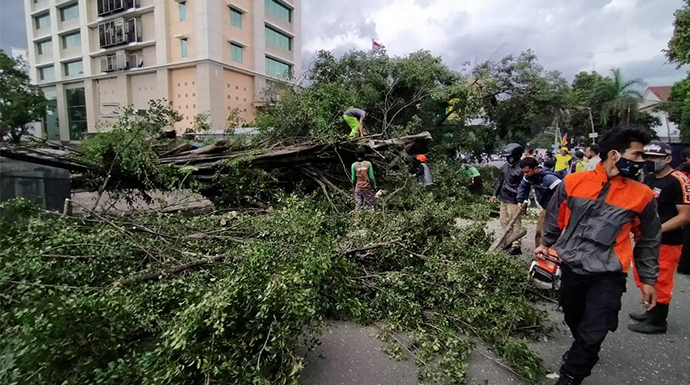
point(562, 162)
point(581, 165)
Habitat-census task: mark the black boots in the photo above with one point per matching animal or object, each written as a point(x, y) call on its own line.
point(565, 379)
point(653, 322)
point(639, 317)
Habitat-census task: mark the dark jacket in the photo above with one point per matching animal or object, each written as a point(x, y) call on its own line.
point(590, 219)
point(508, 182)
point(545, 184)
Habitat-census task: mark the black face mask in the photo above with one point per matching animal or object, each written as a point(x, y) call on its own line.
point(629, 168)
point(511, 161)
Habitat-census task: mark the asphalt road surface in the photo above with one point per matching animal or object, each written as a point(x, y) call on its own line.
point(351, 354)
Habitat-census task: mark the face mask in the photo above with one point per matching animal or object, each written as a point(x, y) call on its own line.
point(630, 169)
point(654, 166)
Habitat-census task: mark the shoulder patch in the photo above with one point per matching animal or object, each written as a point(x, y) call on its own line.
point(684, 185)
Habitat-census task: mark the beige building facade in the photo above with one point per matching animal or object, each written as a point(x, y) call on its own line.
point(93, 57)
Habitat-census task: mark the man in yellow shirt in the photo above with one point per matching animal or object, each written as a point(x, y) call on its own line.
point(562, 161)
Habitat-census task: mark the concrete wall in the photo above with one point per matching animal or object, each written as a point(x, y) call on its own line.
point(183, 94)
point(239, 90)
point(48, 187)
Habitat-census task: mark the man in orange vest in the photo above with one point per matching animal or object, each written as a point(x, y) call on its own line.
point(588, 223)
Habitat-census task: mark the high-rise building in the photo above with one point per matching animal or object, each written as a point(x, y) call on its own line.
point(204, 56)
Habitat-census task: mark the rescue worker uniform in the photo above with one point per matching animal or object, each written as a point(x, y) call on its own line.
point(684, 264)
point(670, 191)
point(588, 223)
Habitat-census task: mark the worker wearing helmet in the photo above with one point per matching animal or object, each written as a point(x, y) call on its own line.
point(507, 190)
point(423, 171)
point(672, 191)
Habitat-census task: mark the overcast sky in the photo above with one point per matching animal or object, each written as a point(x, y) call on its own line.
point(566, 35)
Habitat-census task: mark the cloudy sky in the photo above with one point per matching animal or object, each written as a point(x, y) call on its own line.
point(567, 35)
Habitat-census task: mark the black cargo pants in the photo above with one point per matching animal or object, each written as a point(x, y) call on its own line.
point(591, 304)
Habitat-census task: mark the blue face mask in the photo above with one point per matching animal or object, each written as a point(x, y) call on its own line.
point(630, 169)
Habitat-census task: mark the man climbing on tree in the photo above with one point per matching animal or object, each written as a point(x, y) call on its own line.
point(588, 223)
point(354, 117)
point(363, 180)
point(672, 191)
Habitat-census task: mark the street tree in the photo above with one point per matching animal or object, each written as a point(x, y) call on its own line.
point(21, 102)
point(678, 51)
point(618, 99)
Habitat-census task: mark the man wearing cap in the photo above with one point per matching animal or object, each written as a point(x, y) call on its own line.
point(354, 117)
point(672, 191)
point(562, 161)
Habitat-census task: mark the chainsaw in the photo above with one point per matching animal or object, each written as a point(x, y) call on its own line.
point(546, 274)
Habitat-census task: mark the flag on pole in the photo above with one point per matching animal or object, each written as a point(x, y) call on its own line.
point(565, 139)
point(376, 45)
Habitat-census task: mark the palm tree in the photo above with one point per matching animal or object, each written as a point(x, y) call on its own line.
point(618, 99)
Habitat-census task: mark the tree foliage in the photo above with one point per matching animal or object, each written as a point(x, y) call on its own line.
point(21, 102)
point(72, 310)
point(678, 51)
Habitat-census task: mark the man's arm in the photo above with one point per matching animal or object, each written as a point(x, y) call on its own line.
point(361, 127)
point(352, 175)
point(552, 229)
point(523, 190)
point(371, 176)
point(680, 220)
point(499, 183)
point(646, 252)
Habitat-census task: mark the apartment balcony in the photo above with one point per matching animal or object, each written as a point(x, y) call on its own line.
point(109, 7)
point(119, 32)
point(121, 62)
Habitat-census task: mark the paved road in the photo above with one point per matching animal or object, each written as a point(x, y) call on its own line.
point(350, 354)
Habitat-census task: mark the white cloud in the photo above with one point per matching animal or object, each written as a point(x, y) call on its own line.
point(566, 35)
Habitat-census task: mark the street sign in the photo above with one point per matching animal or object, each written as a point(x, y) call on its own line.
point(594, 135)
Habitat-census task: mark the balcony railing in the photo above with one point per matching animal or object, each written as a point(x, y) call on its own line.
point(108, 7)
point(121, 62)
point(118, 32)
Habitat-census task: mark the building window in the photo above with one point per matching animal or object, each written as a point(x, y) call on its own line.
point(235, 18)
point(42, 21)
point(278, 39)
point(69, 12)
point(277, 68)
point(236, 52)
point(46, 74)
point(73, 68)
point(51, 126)
point(45, 47)
point(76, 113)
point(183, 47)
point(73, 40)
point(278, 10)
point(183, 10)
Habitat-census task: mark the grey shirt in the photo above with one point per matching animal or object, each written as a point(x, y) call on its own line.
point(356, 113)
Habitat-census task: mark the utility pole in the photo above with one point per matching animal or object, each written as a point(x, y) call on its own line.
point(591, 121)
